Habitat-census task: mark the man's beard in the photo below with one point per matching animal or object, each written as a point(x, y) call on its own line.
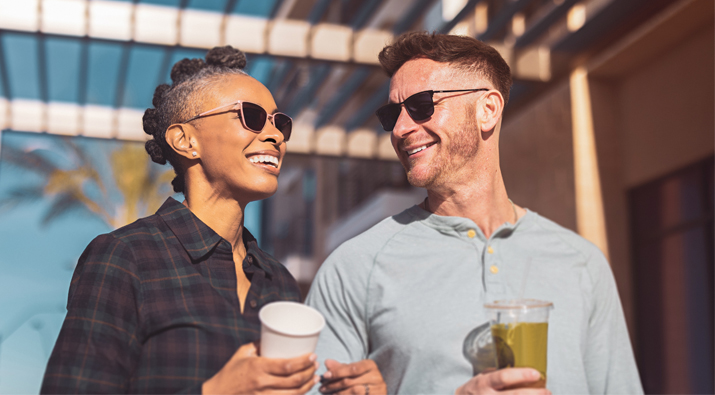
point(462, 147)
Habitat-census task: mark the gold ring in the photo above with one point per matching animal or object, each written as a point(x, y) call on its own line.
point(367, 389)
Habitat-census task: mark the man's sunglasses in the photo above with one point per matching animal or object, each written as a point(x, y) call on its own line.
point(419, 106)
point(253, 117)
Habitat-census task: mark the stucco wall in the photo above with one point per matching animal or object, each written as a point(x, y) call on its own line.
point(666, 110)
point(537, 157)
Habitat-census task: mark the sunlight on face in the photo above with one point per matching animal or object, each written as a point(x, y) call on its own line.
point(237, 162)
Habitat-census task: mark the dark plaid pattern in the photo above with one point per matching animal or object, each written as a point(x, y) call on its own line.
point(153, 307)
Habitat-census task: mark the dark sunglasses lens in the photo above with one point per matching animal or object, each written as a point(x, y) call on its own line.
point(388, 115)
point(420, 106)
point(284, 124)
point(254, 117)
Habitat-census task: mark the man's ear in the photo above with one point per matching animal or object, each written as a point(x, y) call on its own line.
point(489, 110)
point(180, 138)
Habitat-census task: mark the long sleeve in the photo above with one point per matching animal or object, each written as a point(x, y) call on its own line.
point(609, 360)
point(340, 297)
point(97, 348)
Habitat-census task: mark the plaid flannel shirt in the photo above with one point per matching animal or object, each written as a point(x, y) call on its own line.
point(153, 307)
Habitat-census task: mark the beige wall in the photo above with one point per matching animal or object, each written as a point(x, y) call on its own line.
point(650, 118)
point(537, 157)
point(666, 110)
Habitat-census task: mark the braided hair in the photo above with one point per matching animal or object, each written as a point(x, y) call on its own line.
point(191, 79)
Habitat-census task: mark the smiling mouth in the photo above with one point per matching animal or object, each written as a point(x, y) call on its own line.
point(267, 160)
point(418, 149)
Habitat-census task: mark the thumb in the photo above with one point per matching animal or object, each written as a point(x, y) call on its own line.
point(247, 350)
point(332, 364)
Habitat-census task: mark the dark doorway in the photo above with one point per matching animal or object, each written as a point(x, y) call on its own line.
point(672, 233)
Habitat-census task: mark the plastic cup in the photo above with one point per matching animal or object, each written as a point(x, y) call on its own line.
point(520, 332)
point(289, 329)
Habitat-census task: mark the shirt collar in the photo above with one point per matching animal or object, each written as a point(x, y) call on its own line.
point(260, 258)
point(198, 239)
point(458, 225)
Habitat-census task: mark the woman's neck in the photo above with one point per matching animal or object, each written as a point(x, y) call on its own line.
point(223, 216)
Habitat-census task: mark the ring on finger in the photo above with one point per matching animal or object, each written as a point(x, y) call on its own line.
point(367, 389)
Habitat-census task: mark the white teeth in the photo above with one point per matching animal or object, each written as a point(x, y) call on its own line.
point(264, 159)
point(410, 152)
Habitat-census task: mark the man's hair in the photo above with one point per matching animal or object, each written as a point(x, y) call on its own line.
point(468, 55)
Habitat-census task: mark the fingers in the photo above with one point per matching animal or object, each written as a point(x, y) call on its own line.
point(511, 381)
point(363, 389)
point(299, 379)
point(337, 370)
point(514, 377)
point(289, 366)
point(292, 391)
point(361, 377)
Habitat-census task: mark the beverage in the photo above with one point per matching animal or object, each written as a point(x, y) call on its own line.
point(521, 345)
point(520, 331)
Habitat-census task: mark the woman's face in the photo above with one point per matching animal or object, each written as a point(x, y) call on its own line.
point(239, 163)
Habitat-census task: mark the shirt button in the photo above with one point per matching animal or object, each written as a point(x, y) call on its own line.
point(471, 233)
point(494, 269)
point(490, 250)
point(250, 259)
point(253, 303)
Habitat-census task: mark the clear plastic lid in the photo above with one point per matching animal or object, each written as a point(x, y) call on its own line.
point(520, 304)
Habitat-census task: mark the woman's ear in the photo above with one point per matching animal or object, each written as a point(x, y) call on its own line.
point(180, 138)
point(489, 110)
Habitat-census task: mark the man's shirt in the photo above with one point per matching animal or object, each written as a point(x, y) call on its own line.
point(153, 307)
point(407, 292)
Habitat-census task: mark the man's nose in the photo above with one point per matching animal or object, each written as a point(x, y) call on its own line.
point(404, 125)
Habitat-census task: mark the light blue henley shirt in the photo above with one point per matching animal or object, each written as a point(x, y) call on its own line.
point(406, 293)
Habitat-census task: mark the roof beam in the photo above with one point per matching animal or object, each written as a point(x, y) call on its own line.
point(419, 8)
point(502, 18)
point(469, 7)
point(7, 91)
point(303, 98)
point(539, 27)
point(122, 77)
point(367, 10)
point(353, 83)
point(368, 108)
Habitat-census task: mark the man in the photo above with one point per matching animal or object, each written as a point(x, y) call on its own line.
point(400, 298)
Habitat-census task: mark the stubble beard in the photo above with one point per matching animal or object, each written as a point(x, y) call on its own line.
point(448, 163)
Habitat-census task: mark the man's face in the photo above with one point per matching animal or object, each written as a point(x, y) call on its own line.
point(441, 150)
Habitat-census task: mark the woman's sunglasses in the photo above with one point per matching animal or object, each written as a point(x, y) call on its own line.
point(419, 106)
point(253, 117)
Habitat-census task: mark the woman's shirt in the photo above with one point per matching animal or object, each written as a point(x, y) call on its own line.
point(153, 307)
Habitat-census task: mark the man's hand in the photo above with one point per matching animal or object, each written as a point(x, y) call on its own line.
point(359, 378)
point(247, 373)
point(504, 381)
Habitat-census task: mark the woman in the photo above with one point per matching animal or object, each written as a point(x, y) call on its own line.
point(170, 303)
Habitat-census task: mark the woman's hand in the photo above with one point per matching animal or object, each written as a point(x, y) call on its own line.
point(247, 373)
point(360, 378)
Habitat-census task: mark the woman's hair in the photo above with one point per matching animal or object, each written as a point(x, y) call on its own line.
point(191, 80)
point(467, 55)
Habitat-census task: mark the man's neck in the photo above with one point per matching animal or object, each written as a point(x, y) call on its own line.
point(483, 201)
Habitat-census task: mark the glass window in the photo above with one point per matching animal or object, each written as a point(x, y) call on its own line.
point(62, 59)
point(143, 75)
point(20, 52)
point(103, 71)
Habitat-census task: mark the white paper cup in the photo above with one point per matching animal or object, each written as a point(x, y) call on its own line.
point(289, 329)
